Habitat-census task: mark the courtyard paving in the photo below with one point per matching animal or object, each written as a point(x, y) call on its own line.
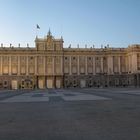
point(70, 114)
point(46, 95)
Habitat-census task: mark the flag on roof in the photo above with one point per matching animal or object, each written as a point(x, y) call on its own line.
point(37, 26)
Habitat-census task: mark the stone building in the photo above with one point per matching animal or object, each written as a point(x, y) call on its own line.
point(50, 65)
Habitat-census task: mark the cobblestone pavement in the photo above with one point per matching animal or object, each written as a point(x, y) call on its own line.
point(72, 114)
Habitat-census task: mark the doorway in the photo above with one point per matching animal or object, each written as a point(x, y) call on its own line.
point(49, 83)
point(14, 84)
point(40, 84)
point(82, 83)
point(58, 83)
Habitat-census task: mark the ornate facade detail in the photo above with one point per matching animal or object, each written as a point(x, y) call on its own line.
point(50, 65)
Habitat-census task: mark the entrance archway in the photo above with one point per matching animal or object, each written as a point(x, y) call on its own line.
point(49, 83)
point(14, 84)
point(40, 84)
point(82, 83)
point(58, 83)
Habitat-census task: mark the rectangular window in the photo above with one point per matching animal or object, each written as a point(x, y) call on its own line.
point(5, 83)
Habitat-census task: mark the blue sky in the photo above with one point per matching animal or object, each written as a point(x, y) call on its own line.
point(114, 22)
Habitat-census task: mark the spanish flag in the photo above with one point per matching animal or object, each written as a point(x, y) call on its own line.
point(37, 26)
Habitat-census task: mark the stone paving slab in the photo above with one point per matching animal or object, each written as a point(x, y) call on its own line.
point(131, 91)
point(45, 96)
point(27, 97)
point(84, 98)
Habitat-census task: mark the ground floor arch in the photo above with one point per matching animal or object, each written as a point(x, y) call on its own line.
point(69, 81)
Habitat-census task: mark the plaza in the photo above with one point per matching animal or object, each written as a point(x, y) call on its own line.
point(70, 114)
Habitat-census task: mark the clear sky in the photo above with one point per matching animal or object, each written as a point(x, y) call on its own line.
point(114, 22)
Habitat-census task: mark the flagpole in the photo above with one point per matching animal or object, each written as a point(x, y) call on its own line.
point(36, 31)
point(37, 27)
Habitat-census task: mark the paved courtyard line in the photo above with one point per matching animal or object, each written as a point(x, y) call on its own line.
point(28, 97)
point(52, 96)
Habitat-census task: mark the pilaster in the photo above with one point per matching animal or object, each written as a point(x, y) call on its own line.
point(0, 65)
point(78, 66)
point(102, 65)
point(53, 65)
point(10, 65)
point(110, 64)
point(119, 65)
point(18, 65)
point(70, 65)
point(27, 65)
point(93, 65)
point(86, 64)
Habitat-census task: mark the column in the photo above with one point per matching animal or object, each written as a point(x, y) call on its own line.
point(93, 65)
point(110, 65)
point(70, 65)
point(10, 65)
point(36, 72)
point(35, 65)
point(102, 65)
point(0, 65)
point(126, 64)
point(18, 65)
point(44, 66)
point(119, 65)
point(44, 62)
point(134, 64)
point(62, 65)
point(27, 66)
point(53, 65)
point(138, 81)
point(86, 64)
point(54, 72)
point(129, 63)
point(62, 72)
point(78, 66)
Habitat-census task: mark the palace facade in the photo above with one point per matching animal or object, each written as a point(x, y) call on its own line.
point(50, 65)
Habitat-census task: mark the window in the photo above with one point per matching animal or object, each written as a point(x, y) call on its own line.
point(49, 60)
point(22, 82)
point(74, 83)
point(89, 58)
point(31, 82)
point(66, 58)
point(40, 60)
point(97, 58)
point(14, 59)
point(31, 57)
point(58, 60)
point(74, 69)
point(5, 82)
